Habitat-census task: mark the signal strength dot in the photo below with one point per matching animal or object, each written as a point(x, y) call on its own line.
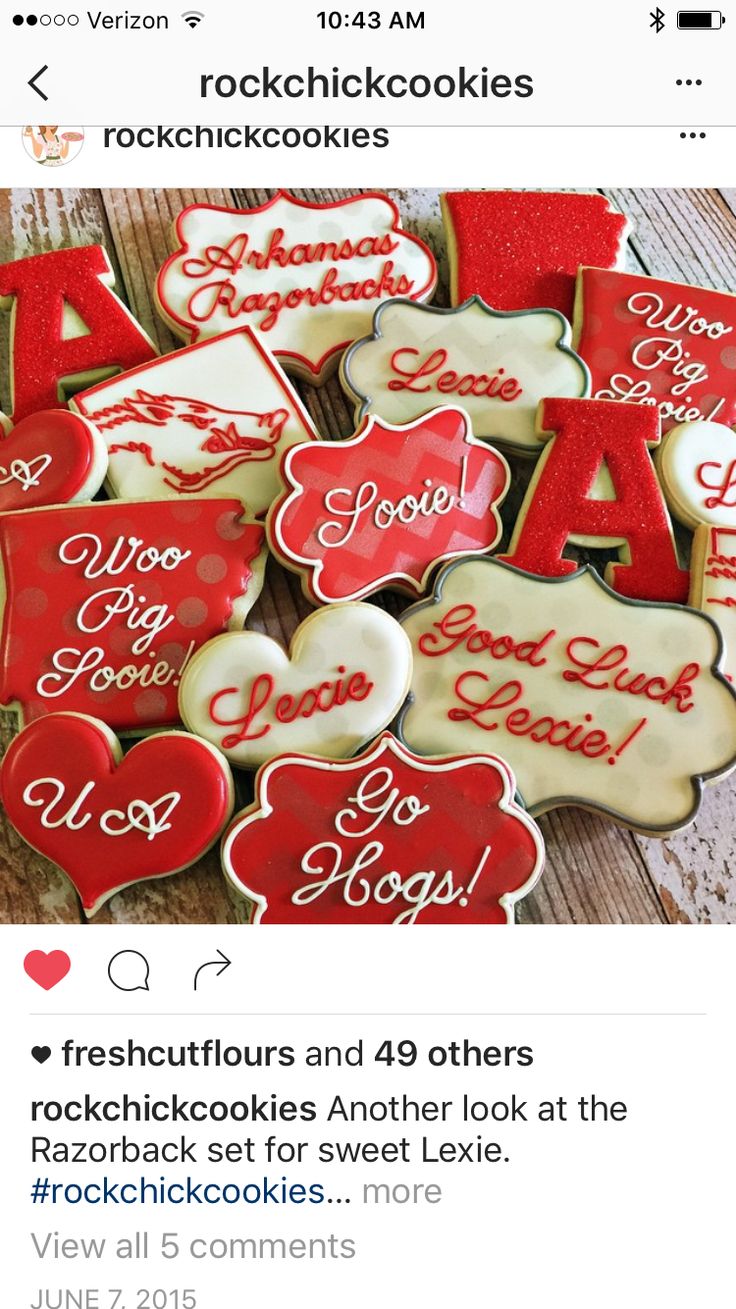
point(192, 17)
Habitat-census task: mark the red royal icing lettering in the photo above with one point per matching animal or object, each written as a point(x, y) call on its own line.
point(411, 373)
point(263, 699)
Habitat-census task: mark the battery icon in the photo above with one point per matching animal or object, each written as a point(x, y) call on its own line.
point(700, 20)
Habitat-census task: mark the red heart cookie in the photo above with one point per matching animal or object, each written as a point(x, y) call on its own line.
point(52, 457)
point(110, 821)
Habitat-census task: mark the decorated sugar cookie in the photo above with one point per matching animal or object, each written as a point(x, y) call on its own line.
point(68, 326)
point(111, 821)
point(697, 466)
point(662, 344)
point(52, 457)
point(713, 584)
point(306, 277)
point(498, 366)
point(342, 681)
point(595, 485)
point(104, 604)
point(213, 418)
point(384, 508)
point(594, 700)
point(387, 837)
point(522, 249)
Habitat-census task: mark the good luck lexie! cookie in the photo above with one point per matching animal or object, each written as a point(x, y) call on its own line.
point(53, 457)
point(110, 821)
point(498, 366)
point(384, 508)
point(306, 277)
point(387, 837)
point(104, 604)
point(522, 249)
point(342, 681)
point(594, 700)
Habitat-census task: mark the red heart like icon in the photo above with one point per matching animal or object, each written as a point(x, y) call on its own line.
point(52, 457)
point(47, 970)
point(107, 820)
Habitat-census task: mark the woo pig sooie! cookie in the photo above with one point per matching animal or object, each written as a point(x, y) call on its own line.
point(387, 837)
point(306, 277)
point(594, 700)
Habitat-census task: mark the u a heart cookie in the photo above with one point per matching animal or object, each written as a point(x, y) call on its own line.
point(342, 681)
point(387, 837)
point(52, 457)
point(109, 820)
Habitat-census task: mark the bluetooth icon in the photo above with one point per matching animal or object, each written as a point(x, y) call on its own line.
point(657, 17)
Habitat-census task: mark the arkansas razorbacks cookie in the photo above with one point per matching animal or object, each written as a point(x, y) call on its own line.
point(594, 700)
point(104, 604)
point(713, 584)
point(68, 327)
point(498, 366)
point(215, 417)
point(111, 821)
point(595, 485)
point(384, 508)
point(697, 468)
point(307, 277)
point(522, 249)
point(343, 680)
point(662, 344)
point(53, 457)
point(387, 837)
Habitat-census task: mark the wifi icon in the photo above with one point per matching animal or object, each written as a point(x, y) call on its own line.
point(192, 17)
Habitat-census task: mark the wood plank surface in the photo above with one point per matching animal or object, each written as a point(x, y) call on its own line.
point(596, 872)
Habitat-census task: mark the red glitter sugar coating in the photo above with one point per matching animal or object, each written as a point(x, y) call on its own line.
point(522, 249)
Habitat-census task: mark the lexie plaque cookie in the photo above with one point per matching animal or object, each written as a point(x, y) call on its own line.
point(387, 837)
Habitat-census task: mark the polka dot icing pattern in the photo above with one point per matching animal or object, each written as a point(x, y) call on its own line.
point(104, 604)
point(307, 277)
point(597, 701)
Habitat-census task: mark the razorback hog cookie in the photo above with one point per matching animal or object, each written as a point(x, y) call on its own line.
point(522, 249)
point(104, 604)
point(595, 700)
point(498, 366)
point(595, 485)
point(111, 821)
point(52, 457)
point(657, 343)
point(713, 584)
point(214, 417)
point(697, 468)
point(68, 328)
point(307, 277)
point(344, 678)
point(387, 837)
point(384, 508)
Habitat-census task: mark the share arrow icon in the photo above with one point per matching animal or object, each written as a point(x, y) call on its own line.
point(220, 964)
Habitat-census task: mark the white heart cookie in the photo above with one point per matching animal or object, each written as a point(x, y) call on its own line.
point(697, 466)
point(344, 678)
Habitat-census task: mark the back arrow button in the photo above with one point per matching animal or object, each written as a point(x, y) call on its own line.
point(32, 82)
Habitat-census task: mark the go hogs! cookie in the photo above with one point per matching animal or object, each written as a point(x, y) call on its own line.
point(658, 343)
point(384, 838)
point(68, 327)
point(343, 680)
point(597, 701)
point(498, 366)
point(52, 457)
point(522, 249)
point(212, 418)
point(307, 277)
point(111, 821)
point(697, 467)
point(104, 604)
point(384, 508)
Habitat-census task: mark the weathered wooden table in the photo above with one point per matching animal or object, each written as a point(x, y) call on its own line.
point(596, 873)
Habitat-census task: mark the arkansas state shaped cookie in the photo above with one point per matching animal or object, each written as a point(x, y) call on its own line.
point(385, 507)
point(104, 604)
point(498, 366)
point(343, 680)
point(306, 277)
point(110, 821)
point(597, 701)
point(213, 418)
point(384, 838)
point(522, 249)
point(67, 328)
point(658, 343)
point(53, 457)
